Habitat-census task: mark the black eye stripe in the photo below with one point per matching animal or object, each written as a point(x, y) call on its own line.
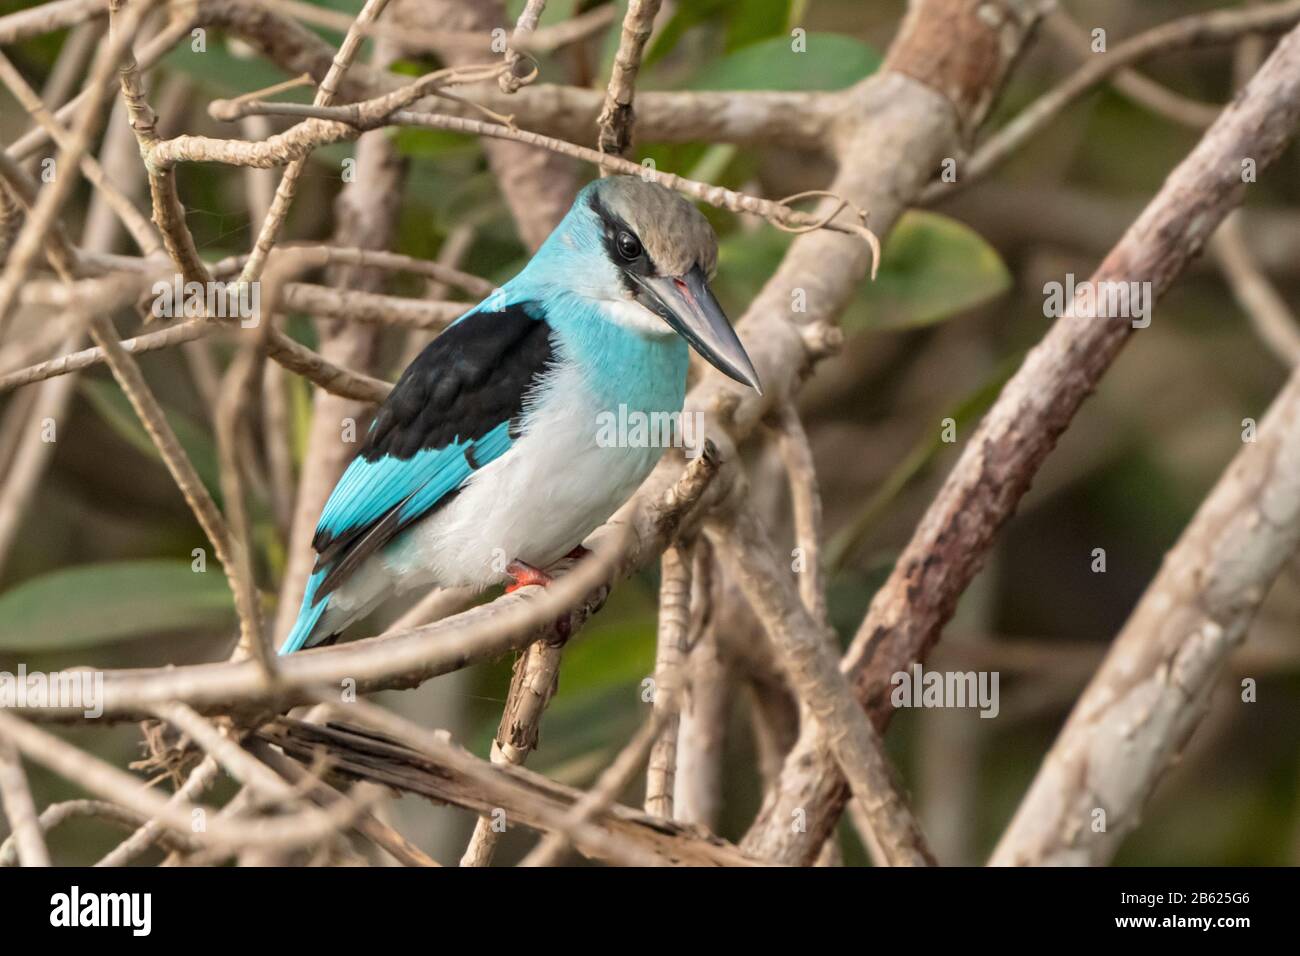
point(612, 226)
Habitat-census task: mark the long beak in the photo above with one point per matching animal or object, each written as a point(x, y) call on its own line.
point(688, 306)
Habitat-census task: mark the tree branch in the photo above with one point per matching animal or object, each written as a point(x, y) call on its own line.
point(1157, 681)
point(1035, 407)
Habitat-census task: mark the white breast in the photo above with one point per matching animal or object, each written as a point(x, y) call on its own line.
point(554, 486)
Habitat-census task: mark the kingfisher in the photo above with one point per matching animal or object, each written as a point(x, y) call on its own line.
point(484, 464)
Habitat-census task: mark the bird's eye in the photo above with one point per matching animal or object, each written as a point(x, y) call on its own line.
point(629, 247)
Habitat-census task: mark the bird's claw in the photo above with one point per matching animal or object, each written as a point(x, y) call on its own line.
point(525, 574)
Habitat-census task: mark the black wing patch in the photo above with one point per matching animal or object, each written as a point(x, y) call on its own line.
point(466, 382)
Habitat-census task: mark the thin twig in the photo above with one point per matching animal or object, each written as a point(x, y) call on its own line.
point(1200, 29)
point(168, 212)
point(51, 199)
point(1274, 322)
point(57, 813)
point(284, 193)
point(144, 235)
point(16, 800)
point(612, 781)
point(330, 125)
point(615, 120)
point(1143, 91)
point(511, 80)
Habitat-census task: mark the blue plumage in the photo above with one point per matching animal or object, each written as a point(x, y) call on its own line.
point(486, 447)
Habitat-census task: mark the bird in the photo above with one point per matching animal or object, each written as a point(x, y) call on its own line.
point(483, 465)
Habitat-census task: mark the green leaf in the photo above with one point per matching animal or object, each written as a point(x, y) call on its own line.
point(933, 268)
point(685, 17)
point(830, 62)
point(94, 604)
point(756, 20)
point(219, 71)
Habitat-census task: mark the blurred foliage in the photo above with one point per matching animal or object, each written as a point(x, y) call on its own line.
point(198, 441)
point(99, 603)
point(830, 62)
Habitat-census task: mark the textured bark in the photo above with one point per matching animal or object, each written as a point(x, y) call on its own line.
point(1157, 680)
point(533, 682)
point(528, 798)
point(672, 647)
point(808, 653)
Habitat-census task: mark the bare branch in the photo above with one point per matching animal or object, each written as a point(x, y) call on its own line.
point(57, 813)
point(801, 119)
point(532, 684)
point(168, 213)
point(136, 224)
point(1274, 322)
point(152, 830)
point(148, 55)
point(1216, 26)
point(672, 648)
point(1157, 680)
point(16, 799)
point(420, 761)
point(50, 199)
point(47, 18)
point(408, 658)
point(329, 125)
point(807, 651)
point(120, 787)
point(796, 454)
point(613, 780)
point(615, 120)
point(367, 824)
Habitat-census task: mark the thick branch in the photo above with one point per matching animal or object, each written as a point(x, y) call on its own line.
point(1036, 406)
point(1157, 680)
point(443, 772)
point(807, 651)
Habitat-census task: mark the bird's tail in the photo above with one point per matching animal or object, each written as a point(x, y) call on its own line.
point(309, 616)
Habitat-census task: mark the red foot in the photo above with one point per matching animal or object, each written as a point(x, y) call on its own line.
point(524, 575)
